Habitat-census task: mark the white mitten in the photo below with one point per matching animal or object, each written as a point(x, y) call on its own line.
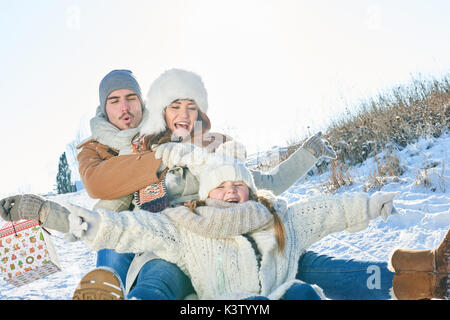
point(171, 153)
point(196, 159)
point(381, 204)
point(83, 223)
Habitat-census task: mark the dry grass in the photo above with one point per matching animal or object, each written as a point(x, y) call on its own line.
point(387, 168)
point(339, 177)
point(432, 178)
point(393, 119)
point(389, 121)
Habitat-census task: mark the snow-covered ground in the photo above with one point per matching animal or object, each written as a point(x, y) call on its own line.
point(424, 218)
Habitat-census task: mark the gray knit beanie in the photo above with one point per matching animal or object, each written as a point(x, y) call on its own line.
point(115, 80)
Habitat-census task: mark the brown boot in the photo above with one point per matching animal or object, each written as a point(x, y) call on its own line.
point(422, 274)
point(99, 284)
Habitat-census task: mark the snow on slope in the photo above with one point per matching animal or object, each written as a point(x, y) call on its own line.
point(423, 220)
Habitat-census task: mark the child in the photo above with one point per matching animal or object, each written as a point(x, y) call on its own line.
point(228, 255)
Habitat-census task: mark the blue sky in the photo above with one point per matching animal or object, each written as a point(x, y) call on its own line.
point(272, 68)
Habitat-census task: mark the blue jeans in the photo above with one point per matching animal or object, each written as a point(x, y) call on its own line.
point(340, 279)
point(344, 279)
point(157, 280)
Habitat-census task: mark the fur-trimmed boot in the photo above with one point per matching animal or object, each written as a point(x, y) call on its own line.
point(422, 274)
point(102, 283)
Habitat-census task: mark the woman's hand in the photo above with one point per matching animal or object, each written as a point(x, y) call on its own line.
point(179, 154)
point(21, 207)
point(319, 147)
point(171, 153)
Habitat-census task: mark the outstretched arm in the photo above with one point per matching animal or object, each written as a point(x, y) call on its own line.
point(127, 231)
point(29, 206)
point(320, 216)
point(283, 176)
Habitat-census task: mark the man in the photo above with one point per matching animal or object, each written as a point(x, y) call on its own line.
point(117, 120)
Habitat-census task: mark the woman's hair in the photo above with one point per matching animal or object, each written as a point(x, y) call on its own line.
point(280, 233)
point(145, 142)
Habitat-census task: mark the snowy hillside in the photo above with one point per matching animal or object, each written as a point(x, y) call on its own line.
point(423, 220)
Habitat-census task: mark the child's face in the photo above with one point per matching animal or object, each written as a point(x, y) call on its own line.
point(230, 191)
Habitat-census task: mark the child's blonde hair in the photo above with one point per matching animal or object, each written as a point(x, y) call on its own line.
point(280, 233)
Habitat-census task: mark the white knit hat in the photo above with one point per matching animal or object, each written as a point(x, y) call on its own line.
point(211, 176)
point(174, 84)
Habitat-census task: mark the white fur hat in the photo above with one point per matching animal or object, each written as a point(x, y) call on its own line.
point(211, 176)
point(172, 85)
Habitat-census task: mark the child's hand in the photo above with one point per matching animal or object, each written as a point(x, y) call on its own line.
point(83, 223)
point(381, 204)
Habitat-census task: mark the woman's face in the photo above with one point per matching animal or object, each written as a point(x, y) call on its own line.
point(181, 116)
point(230, 191)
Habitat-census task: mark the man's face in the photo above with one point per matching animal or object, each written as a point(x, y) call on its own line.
point(124, 109)
point(181, 116)
point(230, 191)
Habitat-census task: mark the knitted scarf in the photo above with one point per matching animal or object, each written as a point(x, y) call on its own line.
point(220, 219)
point(108, 134)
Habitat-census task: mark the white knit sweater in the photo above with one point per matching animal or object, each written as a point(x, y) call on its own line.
point(222, 268)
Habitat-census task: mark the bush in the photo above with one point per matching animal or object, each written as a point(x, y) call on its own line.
point(387, 122)
point(393, 120)
point(390, 121)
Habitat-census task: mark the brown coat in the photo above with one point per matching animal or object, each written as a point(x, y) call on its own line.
point(108, 176)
